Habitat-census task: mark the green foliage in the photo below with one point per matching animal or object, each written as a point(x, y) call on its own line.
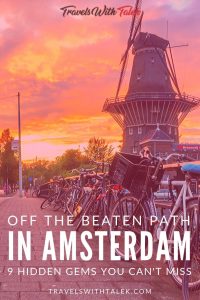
point(37, 169)
point(43, 170)
point(99, 150)
point(61, 166)
point(8, 159)
point(71, 159)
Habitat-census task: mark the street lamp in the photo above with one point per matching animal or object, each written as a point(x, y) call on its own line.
point(20, 153)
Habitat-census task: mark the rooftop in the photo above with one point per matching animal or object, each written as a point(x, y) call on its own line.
point(145, 39)
point(156, 135)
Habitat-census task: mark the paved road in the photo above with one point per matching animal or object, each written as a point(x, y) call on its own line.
point(22, 286)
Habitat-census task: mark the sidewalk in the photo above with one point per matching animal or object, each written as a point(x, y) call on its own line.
point(4, 198)
point(20, 286)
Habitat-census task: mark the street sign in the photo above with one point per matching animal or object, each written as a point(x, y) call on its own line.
point(15, 145)
point(30, 179)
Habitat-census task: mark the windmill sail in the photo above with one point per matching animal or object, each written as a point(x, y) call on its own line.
point(135, 25)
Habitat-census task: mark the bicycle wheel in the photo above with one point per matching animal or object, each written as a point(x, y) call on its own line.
point(57, 204)
point(185, 284)
point(103, 206)
point(73, 196)
point(35, 193)
point(86, 210)
point(177, 267)
point(47, 202)
point(126, 207)
point(99, 210)
point(61, 202)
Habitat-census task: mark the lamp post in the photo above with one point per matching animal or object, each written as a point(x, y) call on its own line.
point(20, 153)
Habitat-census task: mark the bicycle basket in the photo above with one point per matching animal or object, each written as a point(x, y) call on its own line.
point(131, 172)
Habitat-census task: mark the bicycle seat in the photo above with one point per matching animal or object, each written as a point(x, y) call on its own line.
point(193, 169)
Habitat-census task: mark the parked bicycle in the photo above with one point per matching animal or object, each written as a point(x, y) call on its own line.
point(54, 198)
point(129, 190)
point(96, 198)
point(145, 179)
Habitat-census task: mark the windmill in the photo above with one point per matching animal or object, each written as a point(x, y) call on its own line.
point(154, 107)
point(135, 27)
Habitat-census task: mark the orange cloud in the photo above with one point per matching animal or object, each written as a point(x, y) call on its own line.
point(66, 67)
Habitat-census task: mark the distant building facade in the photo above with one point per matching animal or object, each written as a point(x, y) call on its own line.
point(191, 150)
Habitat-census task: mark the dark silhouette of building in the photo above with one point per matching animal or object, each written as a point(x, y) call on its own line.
point(154, 107)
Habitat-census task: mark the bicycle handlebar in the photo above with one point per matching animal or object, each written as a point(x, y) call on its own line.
point(83, 171)
point(172, 155)
point(160, 162)
point(181, 156)
point(100, 163)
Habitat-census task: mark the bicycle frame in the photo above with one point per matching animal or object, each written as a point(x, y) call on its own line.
point(182, 198)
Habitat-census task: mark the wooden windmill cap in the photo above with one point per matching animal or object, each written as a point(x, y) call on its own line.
point(145, 40)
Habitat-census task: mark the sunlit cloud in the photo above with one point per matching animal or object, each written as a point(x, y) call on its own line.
point(65, 68)
point(176, 4)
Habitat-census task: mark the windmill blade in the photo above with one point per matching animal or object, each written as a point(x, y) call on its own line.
point(124, 58)
point(121, 77)
point(169, 71)
point(172, 66)
point(131, 41)
point(135, 25)
point(178, 46)
point(137, 9)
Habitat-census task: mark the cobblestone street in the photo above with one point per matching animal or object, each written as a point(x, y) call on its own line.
point(21, 286)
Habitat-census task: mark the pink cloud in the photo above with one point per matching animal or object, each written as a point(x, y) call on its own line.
point(66, 67)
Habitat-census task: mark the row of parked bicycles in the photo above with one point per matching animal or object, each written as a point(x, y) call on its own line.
point(129, 189)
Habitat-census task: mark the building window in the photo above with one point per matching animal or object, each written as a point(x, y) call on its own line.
point(139, 76)
point(134, 149)
point(130, 131)
point(170, 130)
point(139, 130)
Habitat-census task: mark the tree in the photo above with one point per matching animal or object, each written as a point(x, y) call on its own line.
point(8, 159)
point(99, 150)
point(71, 159)
point(37, 169)
point(44, 170)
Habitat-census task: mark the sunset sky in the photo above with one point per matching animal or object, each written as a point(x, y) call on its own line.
point(65, 67)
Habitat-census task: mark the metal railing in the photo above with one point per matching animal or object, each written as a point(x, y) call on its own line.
point(156, 96)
